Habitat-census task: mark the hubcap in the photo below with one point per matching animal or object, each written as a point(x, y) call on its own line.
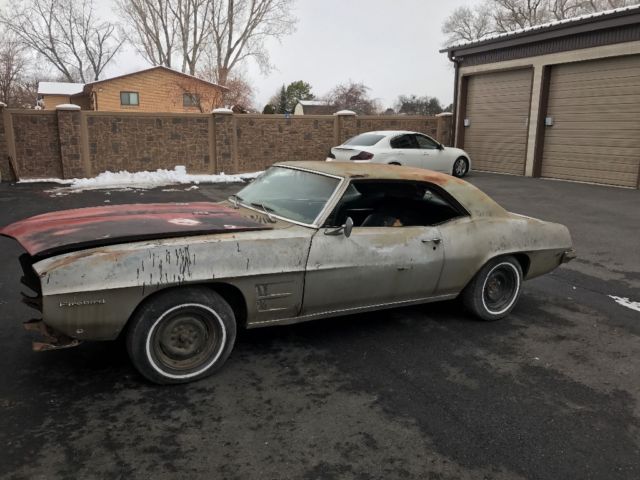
point(460, 167)
point(500, 288)
point(186, 339)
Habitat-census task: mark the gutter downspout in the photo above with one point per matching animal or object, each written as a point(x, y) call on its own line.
point(454, 126)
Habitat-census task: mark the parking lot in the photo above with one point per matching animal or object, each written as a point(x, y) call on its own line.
point(551, 392)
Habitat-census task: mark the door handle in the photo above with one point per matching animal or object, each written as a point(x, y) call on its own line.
point(435, 241)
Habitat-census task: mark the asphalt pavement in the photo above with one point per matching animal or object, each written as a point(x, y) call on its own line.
point(551, 392)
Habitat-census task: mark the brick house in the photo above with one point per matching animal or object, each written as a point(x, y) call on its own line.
point(155, 89)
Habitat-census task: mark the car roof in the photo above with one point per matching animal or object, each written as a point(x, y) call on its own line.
point(473, 199)
point(388, 133)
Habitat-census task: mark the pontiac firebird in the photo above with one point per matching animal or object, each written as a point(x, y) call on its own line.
point(305, 240)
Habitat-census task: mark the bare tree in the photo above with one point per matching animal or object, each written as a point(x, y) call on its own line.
point(515, 14)
point(466, 24)
point(66, 33)
point(168, 32)
point(13, 64)
point(500, 16)
point(240, 29)
point(352, 96)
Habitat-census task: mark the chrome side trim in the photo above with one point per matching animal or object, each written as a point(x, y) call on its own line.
point(350, 311)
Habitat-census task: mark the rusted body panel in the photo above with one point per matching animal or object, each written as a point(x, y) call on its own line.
point(69, 230)
point(285, 272)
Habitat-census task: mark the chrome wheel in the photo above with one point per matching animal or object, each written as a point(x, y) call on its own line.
point(460, 167)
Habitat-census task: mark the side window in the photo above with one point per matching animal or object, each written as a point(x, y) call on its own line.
point(393, 204)
point(129, 98)
point(403, 141)
point(190, 100)
point(426, 142)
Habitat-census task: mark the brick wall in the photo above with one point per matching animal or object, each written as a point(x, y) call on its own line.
point(159, 90)
point(74, 143)
point(266, 139)
point(37, 144)
point(148, 142)
point(5, 169)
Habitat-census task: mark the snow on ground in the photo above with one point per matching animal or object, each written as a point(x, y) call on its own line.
point(159, 178)
point(625, 302)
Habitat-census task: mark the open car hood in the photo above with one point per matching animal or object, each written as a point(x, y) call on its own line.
point(70, 230)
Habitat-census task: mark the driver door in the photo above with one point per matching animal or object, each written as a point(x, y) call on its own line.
point(373, 266)
point(433, 157)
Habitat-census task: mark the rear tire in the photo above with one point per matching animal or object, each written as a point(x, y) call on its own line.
point(181, 335)
point(494, 290)
point(460, 167)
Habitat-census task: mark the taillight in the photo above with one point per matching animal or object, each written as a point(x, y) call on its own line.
point(331, 155)
point(362, 156)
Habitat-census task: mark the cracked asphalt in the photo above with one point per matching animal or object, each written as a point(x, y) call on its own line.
point(551, 392)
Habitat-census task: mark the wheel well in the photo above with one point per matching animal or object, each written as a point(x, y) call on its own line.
point(235, 298)
point(232, 295)
point(395, 163)
point(524, 261)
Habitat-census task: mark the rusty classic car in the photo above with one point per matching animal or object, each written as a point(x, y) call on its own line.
point(305, 240)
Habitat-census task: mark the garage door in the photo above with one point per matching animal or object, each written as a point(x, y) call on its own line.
point(498, 114)
point(595, 107)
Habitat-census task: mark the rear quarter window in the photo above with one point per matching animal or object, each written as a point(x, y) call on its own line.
point(364, 140)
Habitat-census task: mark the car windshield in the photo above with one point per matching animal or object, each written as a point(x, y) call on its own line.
point(292, 194)
point(364, 140)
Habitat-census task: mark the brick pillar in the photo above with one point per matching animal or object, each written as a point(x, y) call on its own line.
point(225, 141)
point(444, 128)
point(347, 125)
point(69, 132)
point(6, 174)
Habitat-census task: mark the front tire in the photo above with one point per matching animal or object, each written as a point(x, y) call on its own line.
point(181, 335)
point(460, 167)
point(495, 289)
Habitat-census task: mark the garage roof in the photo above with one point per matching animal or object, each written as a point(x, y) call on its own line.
point(607, 19)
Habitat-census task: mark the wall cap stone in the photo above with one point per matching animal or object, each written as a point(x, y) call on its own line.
point(68, 106)
point(222, 111)
point(346, 112)
point(3, 105)
point(444, 114)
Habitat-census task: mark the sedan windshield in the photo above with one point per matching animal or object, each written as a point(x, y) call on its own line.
point(292, 194)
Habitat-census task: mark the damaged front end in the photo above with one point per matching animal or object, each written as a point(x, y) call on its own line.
point(50, 338)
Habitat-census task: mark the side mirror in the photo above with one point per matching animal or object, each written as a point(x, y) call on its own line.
point(343, 229)
point(440, 146)
point(348, 226)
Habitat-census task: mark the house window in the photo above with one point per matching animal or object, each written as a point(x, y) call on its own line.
point(129, 98)
point(190, 100)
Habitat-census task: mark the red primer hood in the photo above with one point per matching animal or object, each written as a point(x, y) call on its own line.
point(69, 230)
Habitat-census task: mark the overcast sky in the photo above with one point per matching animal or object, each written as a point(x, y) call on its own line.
point(389, 45)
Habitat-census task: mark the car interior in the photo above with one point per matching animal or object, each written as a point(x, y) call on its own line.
point(394, 204)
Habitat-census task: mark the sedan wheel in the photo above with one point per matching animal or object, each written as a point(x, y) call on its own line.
point(495, 289)
point(460, 167)
point(181, 335)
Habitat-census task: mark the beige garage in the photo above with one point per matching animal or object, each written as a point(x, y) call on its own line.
point(595, 110)
point(583, 77)
point(497, 120)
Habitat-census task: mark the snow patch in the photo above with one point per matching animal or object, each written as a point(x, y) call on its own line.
point(625, 302)
point(144, 180)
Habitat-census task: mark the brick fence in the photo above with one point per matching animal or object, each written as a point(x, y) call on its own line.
point(69, 143)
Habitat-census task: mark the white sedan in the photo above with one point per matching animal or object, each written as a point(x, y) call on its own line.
point(400, 147)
